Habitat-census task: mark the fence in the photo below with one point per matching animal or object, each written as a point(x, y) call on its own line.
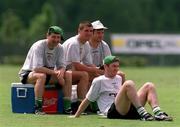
point(16, 53)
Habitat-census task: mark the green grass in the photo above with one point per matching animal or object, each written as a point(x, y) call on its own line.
point(167, 82)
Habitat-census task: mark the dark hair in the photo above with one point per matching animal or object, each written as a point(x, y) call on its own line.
point(83, 24)
point(97, 30)
point(116, 59)
point(50, 31)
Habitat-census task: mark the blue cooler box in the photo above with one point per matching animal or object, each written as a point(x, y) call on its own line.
point(22, 98)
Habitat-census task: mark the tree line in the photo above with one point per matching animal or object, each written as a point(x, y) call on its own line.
point(25, 20)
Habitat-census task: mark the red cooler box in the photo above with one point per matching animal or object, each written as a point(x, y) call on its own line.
point(52, 100)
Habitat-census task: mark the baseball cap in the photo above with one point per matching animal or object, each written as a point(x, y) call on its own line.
point(98, 25)
point(56, 30)
point(110, 59)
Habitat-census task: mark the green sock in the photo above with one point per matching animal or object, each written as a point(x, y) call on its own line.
point(38, 102)
point(67, 103)
point(94, 106)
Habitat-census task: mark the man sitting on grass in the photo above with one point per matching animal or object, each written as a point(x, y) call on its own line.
point(121, 101)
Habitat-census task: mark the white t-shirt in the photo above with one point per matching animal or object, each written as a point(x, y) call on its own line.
point(104, 90)
point(76, 52)
point(40, 55)
point(99, 53)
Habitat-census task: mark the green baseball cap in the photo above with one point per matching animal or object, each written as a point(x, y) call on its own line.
point(110, 59)
point(56, 30)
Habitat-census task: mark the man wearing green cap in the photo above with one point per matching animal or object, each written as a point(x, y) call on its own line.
point(44, 64)
point(121, 101)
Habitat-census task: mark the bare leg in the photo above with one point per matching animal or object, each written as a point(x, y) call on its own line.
point(68, 84)
point(82, 79)
point(126, 96)
point(147, 93)
point(39, 80)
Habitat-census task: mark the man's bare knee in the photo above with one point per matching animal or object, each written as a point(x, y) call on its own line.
point(129, 82)
point(68, 73)
point(84, 77)
point(149, 85)
point(41, 76)
point(84, 74)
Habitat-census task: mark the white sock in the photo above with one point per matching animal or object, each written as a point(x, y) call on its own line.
point(142, 111)
point(156, 110)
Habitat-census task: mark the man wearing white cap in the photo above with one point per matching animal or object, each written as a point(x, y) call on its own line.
point(99, 48)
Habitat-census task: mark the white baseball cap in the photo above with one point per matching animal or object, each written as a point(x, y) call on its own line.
point(98, 25)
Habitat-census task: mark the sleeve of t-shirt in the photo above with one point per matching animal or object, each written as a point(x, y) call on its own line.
point(94, 91)
point(88, 58)
point(73, 54)
point(38, 56)
point(107, 50)
point(61, 60)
